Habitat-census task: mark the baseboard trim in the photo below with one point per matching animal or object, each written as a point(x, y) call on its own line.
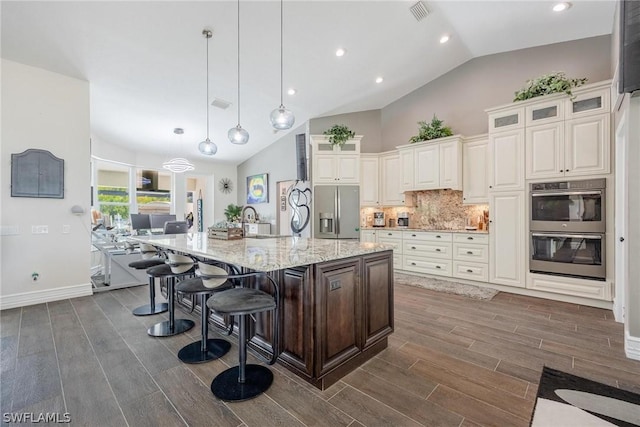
point(631, 346)
point(48, 295)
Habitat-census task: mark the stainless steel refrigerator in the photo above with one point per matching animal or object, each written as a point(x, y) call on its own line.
point(336, 211)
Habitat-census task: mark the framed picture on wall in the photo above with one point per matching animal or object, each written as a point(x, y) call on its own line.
point(258, 188)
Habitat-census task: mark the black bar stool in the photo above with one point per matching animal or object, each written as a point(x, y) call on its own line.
point(177, 266)
point(150, 258)
point(244, 381)
point(212, 279)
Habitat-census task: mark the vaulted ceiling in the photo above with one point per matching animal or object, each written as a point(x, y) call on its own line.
point(146, 61)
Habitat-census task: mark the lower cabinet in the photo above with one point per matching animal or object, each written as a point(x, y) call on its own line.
point(394, 239)
point(508, 238)
point(369, 236)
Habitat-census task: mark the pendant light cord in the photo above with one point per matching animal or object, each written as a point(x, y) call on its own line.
point(281, 60)
point(238, 62)
point(207, 35)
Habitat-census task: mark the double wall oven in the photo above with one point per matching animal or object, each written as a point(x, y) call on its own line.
point(567, 226)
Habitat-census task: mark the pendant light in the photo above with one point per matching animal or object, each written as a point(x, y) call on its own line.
point(237, 135)
point(207, 147)
point(178, 164)
point(281, 118)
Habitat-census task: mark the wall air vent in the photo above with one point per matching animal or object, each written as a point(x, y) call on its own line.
point(220, 103)
point(419, 11)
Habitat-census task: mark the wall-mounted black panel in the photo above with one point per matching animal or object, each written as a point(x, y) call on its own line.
point(629, 46)
point(37, 173)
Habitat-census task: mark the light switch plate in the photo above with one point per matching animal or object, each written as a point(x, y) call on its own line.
point(66, 229)
point(39, 229)
point(9, 230)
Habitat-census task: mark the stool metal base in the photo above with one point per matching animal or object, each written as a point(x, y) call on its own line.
point(192, 353)
point(164, 329)
point(145, 310)
point(258, 379)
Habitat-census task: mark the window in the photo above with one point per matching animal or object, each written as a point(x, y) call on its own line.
point(112, 184)
point(153, 191)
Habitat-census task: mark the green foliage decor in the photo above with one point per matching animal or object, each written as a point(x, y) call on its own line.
point(233, 212)
point(431, 130)
point(555, 82)
point(339, 134)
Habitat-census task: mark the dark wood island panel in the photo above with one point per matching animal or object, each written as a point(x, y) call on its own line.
point(334, 316)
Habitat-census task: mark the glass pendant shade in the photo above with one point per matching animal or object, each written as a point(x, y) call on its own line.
point(238, 135)
point(281, 118)
point(207, 147)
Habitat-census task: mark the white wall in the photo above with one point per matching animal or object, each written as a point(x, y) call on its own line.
point(47, 111)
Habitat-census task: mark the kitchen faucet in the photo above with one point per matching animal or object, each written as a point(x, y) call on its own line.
point(255, 215)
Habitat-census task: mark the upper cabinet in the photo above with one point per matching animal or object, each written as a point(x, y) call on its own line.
point(506, 160)
point(369, 182)
point(475, 170)
point(335, 164)
point(432, 165)
point(390, 192)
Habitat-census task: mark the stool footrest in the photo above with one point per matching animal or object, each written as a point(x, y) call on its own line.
point(192, 353)
point(258, 379)
point(145, 310)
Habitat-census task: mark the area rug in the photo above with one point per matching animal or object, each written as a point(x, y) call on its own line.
point(470, 291)
point(566, 400)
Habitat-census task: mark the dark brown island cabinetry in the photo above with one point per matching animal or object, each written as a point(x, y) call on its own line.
point(334, 316)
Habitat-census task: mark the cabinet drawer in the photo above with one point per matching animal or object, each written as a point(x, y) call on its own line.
point(429, 236)
point(397, 261)
point(427, 265)
point(476, 238)
point(396, 243)
point(470, 252)
point(393, 234)
point(471, 271)
point(428, 249)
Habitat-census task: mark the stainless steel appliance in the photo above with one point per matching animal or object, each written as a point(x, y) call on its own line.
point(579, 255)
point(378, 219)
point(403, 219)
point(567, 225)
point(568, 206)
point(337, 211)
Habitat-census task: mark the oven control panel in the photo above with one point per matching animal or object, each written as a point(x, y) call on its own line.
point(588, 184)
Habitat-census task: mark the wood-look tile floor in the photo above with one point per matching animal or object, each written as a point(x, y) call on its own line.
point(451, 361)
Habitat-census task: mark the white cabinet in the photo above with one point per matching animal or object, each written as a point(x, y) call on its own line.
point(471, 256)
point(431, 165)
point(587, 146)
point(506, 160)
point(407, 177)
point(369, 180)
point(335, 164)
point(427, 167)
point(545, 150)
point(475, 176)
point(503, 119)
point(391, 193)
point(393, 238)
point(427, 252)
point(369, 236)
point(508, 238)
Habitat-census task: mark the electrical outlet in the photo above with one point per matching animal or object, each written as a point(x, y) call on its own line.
point(9, 230)
point(66, 229)
point(39, 229)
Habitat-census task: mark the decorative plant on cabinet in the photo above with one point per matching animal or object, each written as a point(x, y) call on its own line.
point(432, 130)
point(339, 134)
point(555, 82)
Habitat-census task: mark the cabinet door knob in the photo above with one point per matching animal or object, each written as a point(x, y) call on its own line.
point(438, 250)
point(437, 266)
point(622, 239)
point(413, 235)
point(389, 234)
point(413, 263)
point(469, 238)
point(566, 170)
point(469, 253)
point(438, 237)
point(413, 247)
point(491, 186)
point(561, 170)
point(469, 271)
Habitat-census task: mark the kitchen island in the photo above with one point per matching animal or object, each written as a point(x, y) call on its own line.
point(336, 297)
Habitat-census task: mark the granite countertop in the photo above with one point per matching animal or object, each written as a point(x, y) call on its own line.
point(424, 229)
point(264, 253)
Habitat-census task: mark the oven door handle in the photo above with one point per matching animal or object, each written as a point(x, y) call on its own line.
point(575, 236)
point(568, 193)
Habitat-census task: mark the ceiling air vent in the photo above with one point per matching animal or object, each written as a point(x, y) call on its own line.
point(419, 11)
point(220, 103)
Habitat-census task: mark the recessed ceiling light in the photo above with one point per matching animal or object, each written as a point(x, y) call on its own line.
point(561, 6)
point(340, 52)
point(291, 91)
point(379, 80)
point(444, 38)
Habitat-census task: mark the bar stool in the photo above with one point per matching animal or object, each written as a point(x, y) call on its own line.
point(150, 258)
point(244, 381)
point(175, 267)
point(212, 279)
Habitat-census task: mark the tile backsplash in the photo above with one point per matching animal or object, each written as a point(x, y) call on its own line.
point(435, 209)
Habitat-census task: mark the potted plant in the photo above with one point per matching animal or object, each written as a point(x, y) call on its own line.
point(339, 134)
point(233, 212)
point(555, 82)
point(432, 130)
